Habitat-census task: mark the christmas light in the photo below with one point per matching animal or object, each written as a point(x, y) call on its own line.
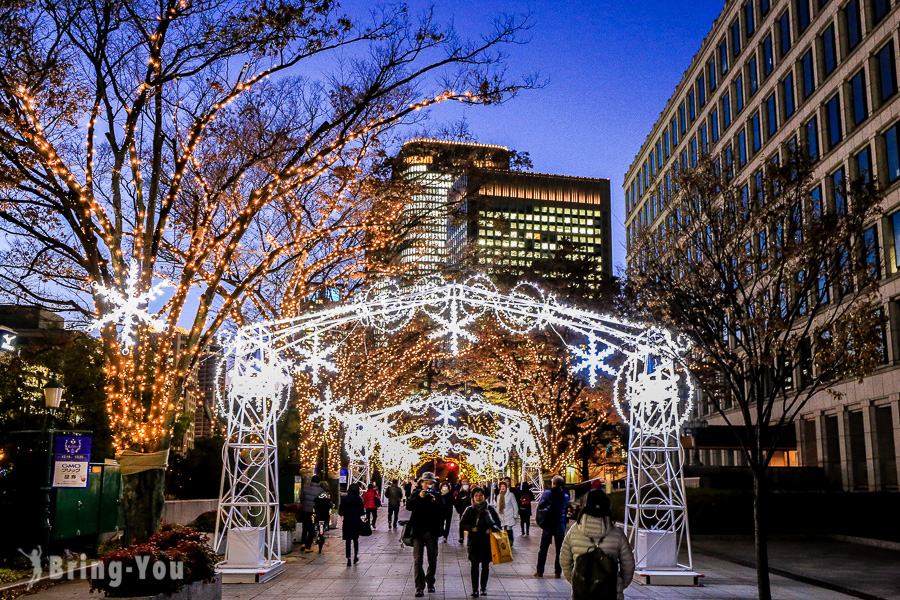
point(128, 308)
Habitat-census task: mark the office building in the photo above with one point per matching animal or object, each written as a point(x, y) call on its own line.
point(821, 74)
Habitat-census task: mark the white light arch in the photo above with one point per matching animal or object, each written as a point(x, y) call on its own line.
point(263, 358)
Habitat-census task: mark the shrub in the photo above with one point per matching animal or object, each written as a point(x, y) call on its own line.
point(205, 521)
point(288, 522)
point(122, 569)
point(292, 509)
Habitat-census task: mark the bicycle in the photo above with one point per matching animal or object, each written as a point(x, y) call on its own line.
point(320, 534)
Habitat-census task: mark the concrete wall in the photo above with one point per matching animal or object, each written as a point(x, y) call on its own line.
point(182, 512)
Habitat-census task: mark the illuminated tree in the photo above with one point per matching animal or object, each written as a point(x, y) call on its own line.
point(776, 290)
point(193, 140)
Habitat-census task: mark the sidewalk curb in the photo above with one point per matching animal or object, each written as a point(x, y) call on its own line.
point(47, 578)
point(801, 578)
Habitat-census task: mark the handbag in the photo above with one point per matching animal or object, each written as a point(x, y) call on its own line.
point(365, 529)
point(406, 533)
point(501, 551)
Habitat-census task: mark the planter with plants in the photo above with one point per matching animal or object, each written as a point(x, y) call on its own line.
point(288, 524)
point(175, 563)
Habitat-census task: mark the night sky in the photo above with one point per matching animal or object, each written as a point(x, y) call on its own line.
point(611, 68)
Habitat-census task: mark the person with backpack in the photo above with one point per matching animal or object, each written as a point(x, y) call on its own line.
point(308, 495)
point(596, 557)
point(479, 520)
point(551, 518)
point(351, 510)
point(371, 501)
point(526, 497)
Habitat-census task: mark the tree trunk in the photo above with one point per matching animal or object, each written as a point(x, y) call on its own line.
point(143, 498)
point(760, 534)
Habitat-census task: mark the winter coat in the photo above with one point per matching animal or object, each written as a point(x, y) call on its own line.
point(462, 501)
point(526, 499)
point(510, 513)
point(425, 514)
point(352, 510)
point(308, 496)
point(478, 543)
point(559, 501)
point(323, 506)
point(371, 499)
point(394, 495)
point(612, 541)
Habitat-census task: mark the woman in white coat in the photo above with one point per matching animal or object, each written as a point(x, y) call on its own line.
point(595, 526)
point(508, 509)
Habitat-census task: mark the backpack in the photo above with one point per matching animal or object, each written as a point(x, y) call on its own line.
point(525, 501)
point(542, 515)
point(595, 576)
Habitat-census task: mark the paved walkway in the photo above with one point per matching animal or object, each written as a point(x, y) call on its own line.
point(385, 572)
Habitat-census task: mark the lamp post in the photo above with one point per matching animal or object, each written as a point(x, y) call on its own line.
point(53, 392)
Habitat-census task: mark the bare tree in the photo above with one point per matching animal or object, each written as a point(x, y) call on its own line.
point(194, 140)
point(776, 289)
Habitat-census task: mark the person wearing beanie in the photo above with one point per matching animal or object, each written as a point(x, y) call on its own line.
point(595, 526)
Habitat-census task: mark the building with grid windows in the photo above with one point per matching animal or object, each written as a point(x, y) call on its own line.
point(434, 166)
point(821, 74)
point(507, 219)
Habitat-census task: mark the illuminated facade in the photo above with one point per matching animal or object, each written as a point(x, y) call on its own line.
point(507, 219)
point(434, 166)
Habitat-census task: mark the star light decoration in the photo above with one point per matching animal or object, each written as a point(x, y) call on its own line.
point(129, 307)
point(592, 360)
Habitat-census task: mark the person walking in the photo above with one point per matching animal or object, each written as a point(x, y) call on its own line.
point(447, 505)
point(394, 496)
point(479, 520)
point(554, 525)
point(526, 497)
point(371, 501)
point(507, 509)
point(352, 511)
point(462, 502)
point(595, 526)
point(308, 496)
point(425, 518)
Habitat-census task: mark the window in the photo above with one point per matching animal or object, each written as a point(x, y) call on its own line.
point(736, 37)
point(815, 202)
point(714, 125)
point(858, 103)
point(802, 14)
point(683, 120)
point(701, 92)
point(787, 92)
point(674, 129)
point(693, 152)
point(863, 162)
point(704, 142)
point(812, 138)
point(692, 111)
point(838, 191)
point(784, 29)
point(768, 58)
point(809, 76)
point(742, 148)
point(892, 153)
point(880, 8)
point(833, 121)
point(887, 71)
point(771, 114)
point(739, 93)
point(729, 162)
point(764, 6)
point(895, 222)
point(873, 264)
point(754, 131)
point(666, 142)
point(726, 111)
point(753, 76)
point(829, 52)
point(723, 56)
point(749, 23)
point(854, 24)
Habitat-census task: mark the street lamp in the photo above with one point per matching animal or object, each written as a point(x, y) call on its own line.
point(53, 392)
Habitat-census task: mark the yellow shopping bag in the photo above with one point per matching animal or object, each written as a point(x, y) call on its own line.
point(501, 551)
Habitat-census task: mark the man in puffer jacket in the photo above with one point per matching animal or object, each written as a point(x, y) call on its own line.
point(308, 496)
point(595, 523)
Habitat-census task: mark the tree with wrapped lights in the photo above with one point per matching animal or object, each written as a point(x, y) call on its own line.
point(172, 163)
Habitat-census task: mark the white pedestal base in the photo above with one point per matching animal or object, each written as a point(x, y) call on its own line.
point(260, 574)
point(670, 578)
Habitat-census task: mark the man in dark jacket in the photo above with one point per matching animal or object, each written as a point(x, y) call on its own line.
point(554, 525)
point(308, 496)
point(462, 502)
point(394, 495)
point(425, 519)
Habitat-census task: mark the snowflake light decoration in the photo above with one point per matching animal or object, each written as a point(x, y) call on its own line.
point(592, 360)
point(328, 409)
point(316, 359)
point(129, 307)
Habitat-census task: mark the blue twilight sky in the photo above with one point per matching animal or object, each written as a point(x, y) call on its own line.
point(611, 65)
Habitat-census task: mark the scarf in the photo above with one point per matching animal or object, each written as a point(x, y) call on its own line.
point(502, 503)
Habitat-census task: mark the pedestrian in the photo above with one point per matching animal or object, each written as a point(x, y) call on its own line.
point(394, 496)
point(371, 501)
point(447, 504)
point(595, 527)
point(462, 502)
point(554, 525)
point(407, 488)
point(507, 509)
point(526, 497)
point(479, 520)
point(352, 511)
point(425, 516)
point(308, 496)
